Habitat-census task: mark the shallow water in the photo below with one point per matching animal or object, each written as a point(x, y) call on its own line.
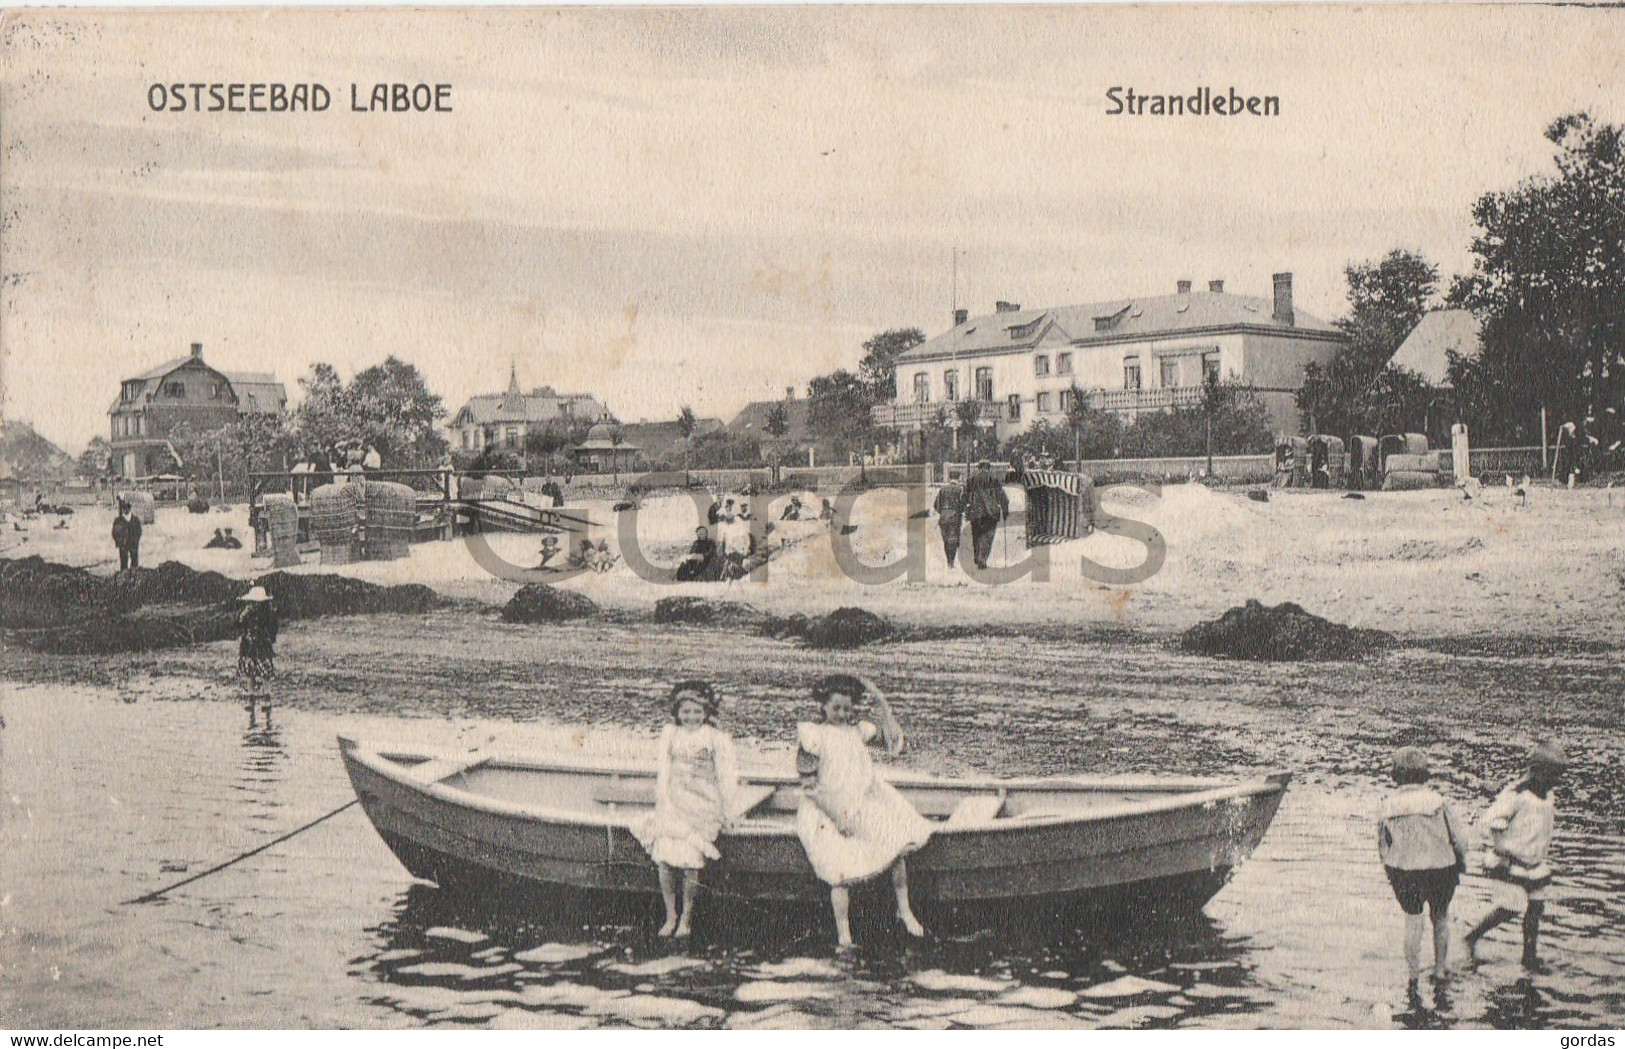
point(107, 799)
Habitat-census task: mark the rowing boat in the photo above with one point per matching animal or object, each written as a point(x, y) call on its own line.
point(543, 822)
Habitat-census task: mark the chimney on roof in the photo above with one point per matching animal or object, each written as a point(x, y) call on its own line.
point(197, 350)
point(1006, 307)
point(960, 317)
point(1184, 287)
point(1283, 298)
point(789, 393)
point(1215, 286)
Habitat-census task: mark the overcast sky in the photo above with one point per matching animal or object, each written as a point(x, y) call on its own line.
point(704, 206)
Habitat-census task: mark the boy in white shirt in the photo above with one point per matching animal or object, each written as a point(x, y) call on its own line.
point(1520, 824)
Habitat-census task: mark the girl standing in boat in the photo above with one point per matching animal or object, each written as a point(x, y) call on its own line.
point(854, 824)
point(256, 648)
point(694, 789)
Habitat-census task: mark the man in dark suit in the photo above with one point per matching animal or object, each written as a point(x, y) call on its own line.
point(986, 505)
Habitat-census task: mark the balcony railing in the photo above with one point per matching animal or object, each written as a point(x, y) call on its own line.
point(1148, 400)
point(918, 415)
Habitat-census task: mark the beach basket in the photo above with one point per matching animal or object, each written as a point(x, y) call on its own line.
point(335, 516)
point(142, 506)
point(281, 518)
point(1060, 506)
point(392, 514)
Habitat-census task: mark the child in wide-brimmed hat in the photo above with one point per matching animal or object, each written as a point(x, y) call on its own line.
point(1520, 823)
point(1423, 850)
point(256, 647)
point(695, 785)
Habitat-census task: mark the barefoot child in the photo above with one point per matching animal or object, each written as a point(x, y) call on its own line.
point(256, 647)
point(1520, 828)
point(694, 789)
point(854, 824)
point(1422, 848)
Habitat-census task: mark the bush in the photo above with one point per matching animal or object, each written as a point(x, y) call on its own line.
point(540, 603)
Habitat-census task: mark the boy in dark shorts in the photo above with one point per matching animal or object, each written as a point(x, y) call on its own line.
point(1423, 849)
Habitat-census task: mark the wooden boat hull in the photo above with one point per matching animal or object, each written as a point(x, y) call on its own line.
point(1175, 841)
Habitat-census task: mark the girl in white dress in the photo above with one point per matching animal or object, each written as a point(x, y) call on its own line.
point(854, 824)
point(694, 791)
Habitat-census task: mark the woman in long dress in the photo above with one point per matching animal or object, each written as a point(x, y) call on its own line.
point(853, 824)
point(695, 785)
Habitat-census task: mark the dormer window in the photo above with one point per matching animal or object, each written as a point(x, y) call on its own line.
point(1110, 321)
point(1024, 331)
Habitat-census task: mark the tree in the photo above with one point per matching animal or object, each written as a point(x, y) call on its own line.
point(1357, 391)
point(1240, 426)
point(387, 405)
point(968, 417)
point(1095, 432)
point(402, 416)
point(686, 425)
point(838, 410)
point(542, 443)
point(1548, 284)
point(878, 368)
point(94, 461)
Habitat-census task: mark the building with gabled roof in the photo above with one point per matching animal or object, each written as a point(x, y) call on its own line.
point(1128, 355)
point(751, 424)
point(151, 405)
point(1440, 333)
point(502, 420)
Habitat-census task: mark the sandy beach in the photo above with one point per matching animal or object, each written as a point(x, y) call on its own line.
point(1416, 564)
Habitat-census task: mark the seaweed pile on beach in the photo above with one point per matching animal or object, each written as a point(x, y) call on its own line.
point(1283, 633)
point(61, 609)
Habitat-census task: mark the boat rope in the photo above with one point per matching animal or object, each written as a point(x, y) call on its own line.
point(149, 897)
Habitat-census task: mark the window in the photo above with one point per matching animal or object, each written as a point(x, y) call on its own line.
point(1063, 364)
point(1043, 403)
point(175, 389)
point(468, 440)
point(1170, 372)
point(1210, 368)
point(1014, 401)
point(922, 387)
point(1066, 400)
point(511, 438)
point(1131, 374)
point(984, 384)
point(1041, 364)
point(950, 384)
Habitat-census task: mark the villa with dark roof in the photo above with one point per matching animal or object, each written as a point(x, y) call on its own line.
point(1128, 355)
point(185, 390)
point(502, 420)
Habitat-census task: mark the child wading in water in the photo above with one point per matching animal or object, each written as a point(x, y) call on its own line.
point(1420, 842)
point(853, 824)
point(256, 649)
point(694, 791)
point(1520, 827)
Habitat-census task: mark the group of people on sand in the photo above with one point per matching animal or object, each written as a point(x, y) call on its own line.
point(732, 542)
point(853, 824)
point(599, 558)
point(346, 460)
point(1424, 848)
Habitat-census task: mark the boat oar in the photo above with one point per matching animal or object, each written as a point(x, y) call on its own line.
point(149, 897)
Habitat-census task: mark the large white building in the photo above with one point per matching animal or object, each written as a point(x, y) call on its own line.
point(1128, 355)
